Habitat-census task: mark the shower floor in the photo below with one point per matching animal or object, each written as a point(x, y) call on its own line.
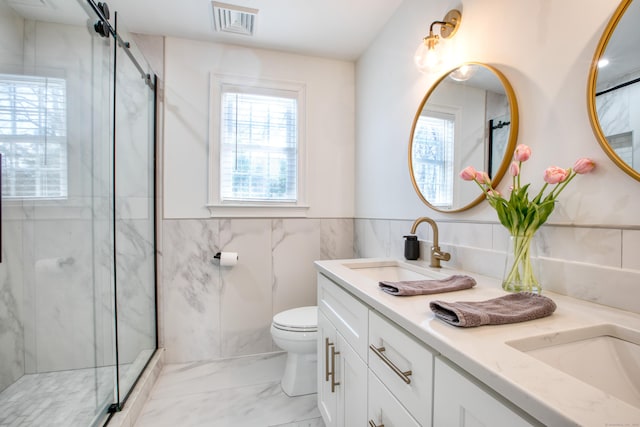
point(64, 398)
point(75, 398)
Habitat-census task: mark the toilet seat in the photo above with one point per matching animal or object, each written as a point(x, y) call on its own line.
point(301, 319)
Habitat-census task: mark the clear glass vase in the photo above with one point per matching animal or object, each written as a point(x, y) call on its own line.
point(521, 266)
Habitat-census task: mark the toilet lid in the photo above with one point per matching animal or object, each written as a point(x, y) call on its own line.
point(297, 319)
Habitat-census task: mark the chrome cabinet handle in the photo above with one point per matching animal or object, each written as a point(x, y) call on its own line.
point(333, 369)
point(403, 375)
point(373, 424)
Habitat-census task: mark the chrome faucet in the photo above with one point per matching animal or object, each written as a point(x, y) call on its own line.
point(436, 254)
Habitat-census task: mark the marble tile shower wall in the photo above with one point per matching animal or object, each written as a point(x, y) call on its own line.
point(598, 264)
point(212, 312)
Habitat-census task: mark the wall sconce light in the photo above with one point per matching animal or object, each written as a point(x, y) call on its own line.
point(428, 56)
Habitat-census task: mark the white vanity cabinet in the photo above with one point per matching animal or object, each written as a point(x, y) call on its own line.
point(459, 401)
point(371, 372)
point(342, 370)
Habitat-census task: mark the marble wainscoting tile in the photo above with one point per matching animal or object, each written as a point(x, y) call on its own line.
point(135, 288)
point(487, 262)
point(192, 290)
point(231, 394)
point(631, 249)
point(246, 296)
point(466, 234)
point(28, 309)
point(11, 302)
point(336, 238)
point(397, 231)
point(64, 295)
point(295, 246)
point(372, 238)
point(103, 285)
point(591, 245)
point(613, 287)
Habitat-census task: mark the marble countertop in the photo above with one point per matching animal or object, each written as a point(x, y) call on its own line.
point(548, 394)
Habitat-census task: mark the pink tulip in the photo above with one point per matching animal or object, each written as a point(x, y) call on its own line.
point(522, 153)
point(514, 169)
point(584, 165)
point(555, 175)
point(483, 178)
point(468, 173)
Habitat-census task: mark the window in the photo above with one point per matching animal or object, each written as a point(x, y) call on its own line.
point(432, 157)
point(33, 137)
point(260, 146)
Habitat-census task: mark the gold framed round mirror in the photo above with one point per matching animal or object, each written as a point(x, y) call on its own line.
point(468, 117)
point(614, 89)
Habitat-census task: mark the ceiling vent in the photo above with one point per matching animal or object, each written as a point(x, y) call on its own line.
point(229, 18)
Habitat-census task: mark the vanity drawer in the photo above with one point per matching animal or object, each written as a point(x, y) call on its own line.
point(403, 365)
point(384, 409)
point(346, 313)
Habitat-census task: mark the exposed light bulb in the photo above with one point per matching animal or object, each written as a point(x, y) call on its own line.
point(427, 57)
point(462, 73)
point(603, 63)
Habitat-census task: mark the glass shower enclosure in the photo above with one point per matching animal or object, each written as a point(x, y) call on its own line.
point(78, 265)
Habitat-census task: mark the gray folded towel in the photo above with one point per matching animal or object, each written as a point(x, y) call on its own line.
point(425, 287)
point(512, 308)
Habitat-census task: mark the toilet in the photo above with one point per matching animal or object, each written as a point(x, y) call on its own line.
point(295, 332)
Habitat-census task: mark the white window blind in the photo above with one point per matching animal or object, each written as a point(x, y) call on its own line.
point(33, 137)
point(432, 157)
point(259, 145)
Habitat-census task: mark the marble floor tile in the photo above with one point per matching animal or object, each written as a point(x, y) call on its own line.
point(64, 398)
point(239, 392)
point(77, 398)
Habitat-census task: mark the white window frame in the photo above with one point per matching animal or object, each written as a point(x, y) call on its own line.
point(219, 208)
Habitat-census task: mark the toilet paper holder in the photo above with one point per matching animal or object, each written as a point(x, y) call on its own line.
point(226, 259)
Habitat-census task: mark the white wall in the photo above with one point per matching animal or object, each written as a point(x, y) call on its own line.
point(547, 61)
point(204, 307)
point(329, 122)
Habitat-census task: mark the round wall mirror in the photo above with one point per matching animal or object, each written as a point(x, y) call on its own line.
point(469, 117)
point(613, 95)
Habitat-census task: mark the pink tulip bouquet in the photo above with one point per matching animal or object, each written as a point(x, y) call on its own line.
point(521, 216)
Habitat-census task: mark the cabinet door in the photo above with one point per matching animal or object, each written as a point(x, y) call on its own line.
point(351, 373)
point(461, 402)
point(327, 399)
point(384, 409)
point(345, 312)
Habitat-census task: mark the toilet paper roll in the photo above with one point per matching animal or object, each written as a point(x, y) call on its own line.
point(228, 259)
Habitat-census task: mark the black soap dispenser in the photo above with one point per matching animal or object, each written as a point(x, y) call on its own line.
point(411, 247)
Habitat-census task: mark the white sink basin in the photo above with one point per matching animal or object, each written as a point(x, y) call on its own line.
point(604, 356)
point(393, 270)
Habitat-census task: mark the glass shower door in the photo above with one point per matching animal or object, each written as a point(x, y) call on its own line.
point(57, 333)
point(134, 212)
